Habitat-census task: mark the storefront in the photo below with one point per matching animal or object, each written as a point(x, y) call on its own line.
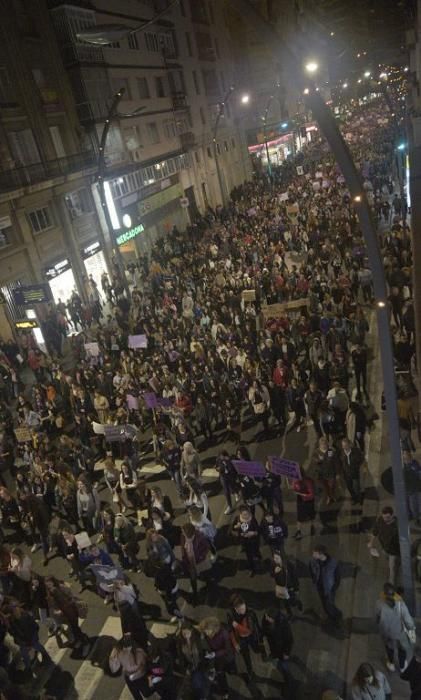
point(278, 149)
point(61, 280)
point(94, 261)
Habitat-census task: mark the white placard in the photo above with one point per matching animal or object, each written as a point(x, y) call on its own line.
point(83, 540)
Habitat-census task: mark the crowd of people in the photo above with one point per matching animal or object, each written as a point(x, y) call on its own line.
point(257, 316)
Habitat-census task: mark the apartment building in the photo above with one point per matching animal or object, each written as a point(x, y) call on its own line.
point(160, 153)
point(48, 219)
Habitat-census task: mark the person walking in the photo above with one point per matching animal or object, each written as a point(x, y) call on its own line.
point(278, 638)
point(245, 630)
point(132, 660)
point(325, 574)
point(396, 627)
point(306, 512)
point(246, 528)
point(412, 674)
point(386, 531)
point(195, 554)
point(351, 459)
point(369, 684)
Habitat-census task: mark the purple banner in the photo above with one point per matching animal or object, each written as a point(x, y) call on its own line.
point(138, 341)
point(284, 467)
point(132, 402)
point(164, 402)
point(151, 399)
point(254, 469)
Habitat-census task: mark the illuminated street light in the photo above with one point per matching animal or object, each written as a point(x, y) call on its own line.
point(284, 125)
point(367, 74)
point(332, 33)
point(401, 147)
point(312, 67)
point(306, 91)
point(245, 99)
point(383, 76)
point(359, 80)
point(345, 85)
point(357, 198)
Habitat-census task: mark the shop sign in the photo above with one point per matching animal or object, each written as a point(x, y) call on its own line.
point(90, 250)
point(26, 324)
point(57, 269)
point(160, 199)
point(128, 235)
point(31, 294)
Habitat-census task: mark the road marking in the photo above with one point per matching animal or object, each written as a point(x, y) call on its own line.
point(89, 676)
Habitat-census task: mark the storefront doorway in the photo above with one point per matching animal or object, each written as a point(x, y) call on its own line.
point(95, 265)
point(61, 280)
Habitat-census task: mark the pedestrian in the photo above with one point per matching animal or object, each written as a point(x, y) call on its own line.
point(24, 629)
point(396, 628)
point(245, 630)
point(274, 532)
point(205, 526)
point(412, 674)
point(277, 634)
point(369, 684)
point(64, 610)
point(195, 555)
point(327, 466)
point(219, 650)
point(246, 528)
point(352, 459)
point(88, 505)
point(132, 660)
point(386, 531)
point(326, 576)
point(306, 513)
point(287, 584)
point(412, 474)
point(126, 540)
point(167, 586)
point(228, 479)
point(191, 659)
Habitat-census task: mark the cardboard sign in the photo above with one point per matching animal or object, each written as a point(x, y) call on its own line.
point(150, 399)
point(106, 575)
point(92, 349)
point(83, 540)
point(300, 170)
point(23, 434)
point(138, 342)
point(275, 310)
point(248, 295)
point(284, 467)
point(316, 185)
point(98, 428)
point(253, 469)
point(132, 402)
point(283, 197)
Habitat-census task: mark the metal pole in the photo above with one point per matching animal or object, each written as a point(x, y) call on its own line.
point(344, 159)
point(221, 112)
point(101, 182)
point(415, 190)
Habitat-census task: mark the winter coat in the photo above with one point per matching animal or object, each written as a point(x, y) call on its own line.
point(393, 619)
point(325, 575)
point(371, 692)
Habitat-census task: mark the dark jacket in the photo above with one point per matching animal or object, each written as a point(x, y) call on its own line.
point(351, 464)
point(325, 574)
point(274, 533)
point(413, 675)
point(278, 635)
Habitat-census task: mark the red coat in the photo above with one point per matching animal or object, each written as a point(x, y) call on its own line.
point(200, 549)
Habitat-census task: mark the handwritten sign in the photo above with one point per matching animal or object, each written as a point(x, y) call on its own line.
point(23, 434)
point(300, 170)
point(275, 310)
point(284, 467)
point(114, 433)
point(150, 399)
point(138, 341)
point(247, 468)
point(132, 402)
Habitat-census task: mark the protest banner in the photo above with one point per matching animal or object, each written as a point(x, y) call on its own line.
point(300, 170)
point(283, 197)
point(253, 469)
point(106, 575)
point(92, 349)
point(83, 540)
point(132, 402)
point(137, 342)
point(164, 402)
point(275, 310)
point(284, 467)
point(248, 295)
point(114, 433)
point(23, 434)
point(150, 399)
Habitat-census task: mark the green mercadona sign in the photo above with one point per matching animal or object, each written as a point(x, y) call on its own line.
point(128, 235)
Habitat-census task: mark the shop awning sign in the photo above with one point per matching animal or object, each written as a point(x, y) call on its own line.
point(26, 324)
point(31, 294)
point(129, 234)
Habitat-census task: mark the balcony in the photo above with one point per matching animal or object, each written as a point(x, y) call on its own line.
point(82, 53)
point(179, 100)
point(26, 175)
point(188, 140)
point(206, 53)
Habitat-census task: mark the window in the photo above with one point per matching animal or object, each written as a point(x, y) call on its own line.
point(211, 13)
point(197, 157)
point(196, 82)
point(233, 144)
point(114, 45)
point(151, 41)
point(160, 87)
point(57, 141)
point(152, 132)
point(226, 145)
point(209, 152)
point(143, 88)
point(210, 80)
point(23, 147)
point(7, 93)
point(169, 128)
point(40, 219)
point(78, 203)
point(121, 83)
point(218, 149)
point(198, 11)
point(183, 12)
point(133, 42)
point(39, 77)
point(6, 232)
point(205, 49)
point(215, 41)
point(202, 116)
point(189, 46)
point(166, 44)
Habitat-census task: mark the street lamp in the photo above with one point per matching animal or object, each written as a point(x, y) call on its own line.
point(367, 74)
point(245, 99)
point(345, 85)
point(312, 67)
point(106, 34)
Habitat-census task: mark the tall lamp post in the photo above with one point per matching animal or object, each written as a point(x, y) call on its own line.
point(329, 128)
point(101, 172)
point(245, 99)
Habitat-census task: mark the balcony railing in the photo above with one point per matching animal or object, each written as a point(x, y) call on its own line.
point(25, 175)
point(179, 100)
point(188, 140)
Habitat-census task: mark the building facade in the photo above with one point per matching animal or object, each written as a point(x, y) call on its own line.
point(160, 154)
point(48, 217)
